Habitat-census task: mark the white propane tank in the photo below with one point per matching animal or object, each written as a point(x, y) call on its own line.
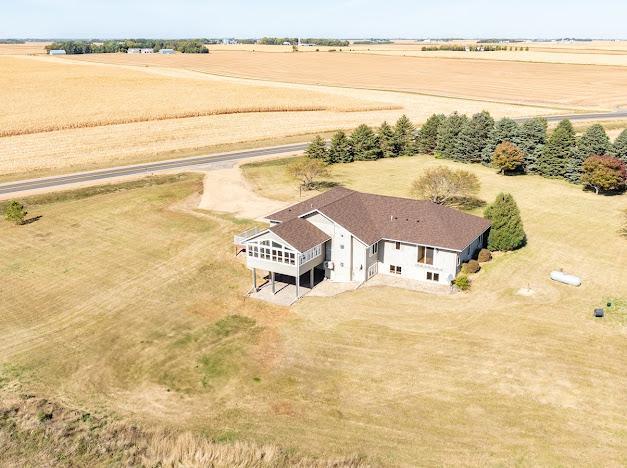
point(566, 279)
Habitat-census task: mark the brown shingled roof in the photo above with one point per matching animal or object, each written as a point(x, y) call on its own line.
point(300, 234)
point(371, 217)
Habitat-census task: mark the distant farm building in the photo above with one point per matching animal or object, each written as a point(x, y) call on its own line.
point(287, 43)
point(56, 52)
point(146, 50)
point(166, 51)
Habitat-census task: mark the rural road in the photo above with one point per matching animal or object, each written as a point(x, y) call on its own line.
point(142, 169)
point(149, 168)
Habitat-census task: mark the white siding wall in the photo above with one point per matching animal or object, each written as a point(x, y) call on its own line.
point(360, 261)
point(340, 250)
point(444, 262)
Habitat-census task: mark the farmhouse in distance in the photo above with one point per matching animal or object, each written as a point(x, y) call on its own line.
point(353, 236)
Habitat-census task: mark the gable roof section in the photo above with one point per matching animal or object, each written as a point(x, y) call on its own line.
point(300, 234)
point(371, 217)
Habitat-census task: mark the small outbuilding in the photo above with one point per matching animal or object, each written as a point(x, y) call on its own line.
point(56, 52)
point(145, 50)
point(166, 51)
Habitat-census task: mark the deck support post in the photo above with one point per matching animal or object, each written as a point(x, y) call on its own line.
point(273, 286)
point(254, 279)
point(297, 284)
point(311, 278)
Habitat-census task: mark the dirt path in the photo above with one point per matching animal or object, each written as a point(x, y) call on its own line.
point(226, 190)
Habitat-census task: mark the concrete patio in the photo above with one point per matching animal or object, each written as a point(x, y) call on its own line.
point(285, 288)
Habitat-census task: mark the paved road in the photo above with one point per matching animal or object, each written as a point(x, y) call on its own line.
point(141, 169)
point(148, 168)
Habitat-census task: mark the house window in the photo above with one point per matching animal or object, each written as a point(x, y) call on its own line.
point(398, 246)
point(374, 249)
point(342, 246)
point(433, 276)
point(425, 255)
point(459, 259)
point(395, 270)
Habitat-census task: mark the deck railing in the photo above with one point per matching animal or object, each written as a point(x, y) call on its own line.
point(240, 238)
point(310, 254)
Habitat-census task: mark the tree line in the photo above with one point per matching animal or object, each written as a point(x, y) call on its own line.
point(462, 48)
point(294, 40)
point(186, 46)
point(509, 146)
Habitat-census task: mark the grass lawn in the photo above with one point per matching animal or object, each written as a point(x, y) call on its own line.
point(124, 302)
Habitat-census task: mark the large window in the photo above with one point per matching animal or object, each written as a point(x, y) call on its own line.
point(425, 255)
point(274, 252)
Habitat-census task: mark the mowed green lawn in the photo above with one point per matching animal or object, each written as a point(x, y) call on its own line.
point(125, 302)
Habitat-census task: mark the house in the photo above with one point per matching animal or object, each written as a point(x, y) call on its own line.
point(166, 51)
point(353, 236)
point(145, 50)
point(56, 52)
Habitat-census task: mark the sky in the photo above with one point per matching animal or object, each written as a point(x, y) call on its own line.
point(320, 18)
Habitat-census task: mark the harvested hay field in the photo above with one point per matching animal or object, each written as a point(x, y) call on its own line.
point(28, 48)
point(171, 341)
point(547, 84)
point(43, 95)
point(75, 149)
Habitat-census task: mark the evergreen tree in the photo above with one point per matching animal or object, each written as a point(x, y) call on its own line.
point(385, 135)
point(317, 149)
point(505, 130)
point(404, 138)
point(365, 144)
point(507, 231)
point(473, 138)
point(448, 133)
point(619, 148)
point(340, 150)
point(594, 142)
point(558, 151)
point(428, 134)
point(532, 141)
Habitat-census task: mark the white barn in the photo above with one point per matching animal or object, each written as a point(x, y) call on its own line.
point(56, 52)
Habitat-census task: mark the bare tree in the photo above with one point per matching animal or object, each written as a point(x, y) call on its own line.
point(444, 186)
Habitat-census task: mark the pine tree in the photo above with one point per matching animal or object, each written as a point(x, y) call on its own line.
point(385, 135)
point(505, 130)
point(473, 138)
point(448, 133)
point(364, 144)
point(507, 231)
point(532, 141)
point(404, 136)
point(558, 151)
point(428, 134)
point(594, 142)
point(340, 150)
point(619, 148)
point(317, 149)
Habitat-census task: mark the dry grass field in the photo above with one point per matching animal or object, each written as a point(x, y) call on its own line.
point(162, 333)
point(538, 84)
